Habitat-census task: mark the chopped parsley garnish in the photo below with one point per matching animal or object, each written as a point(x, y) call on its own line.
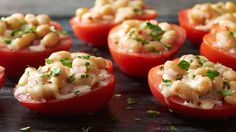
point(131, 101)
point(232, 33)
point(173, 129)
point(55, 72)
point(179, 77)
point(136, 10)
point(143, 42)
point(86, 57)
point(76, 91)
point(184, 65)
point(153, 113)
point(87, 65)
point(156, 31)
point(212, 74)
point(131, 33)
point(25, 129)
point(167, 82)
point(48, 61)
point(168, 47)
point(7, 41)
point(226, 92)
point(30, 29)
point(71, 78)
point(15, 32)
point(86, 129)
point(66, 62)
point(200, 60)
point(84, 76)
point(193, 76)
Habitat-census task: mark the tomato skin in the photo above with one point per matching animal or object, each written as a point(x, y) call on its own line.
point(96, 33)
point(15, 62)
point(194, 35)
point(79, 105)
point(138, 64)
point(176, 104)
point(2, 77)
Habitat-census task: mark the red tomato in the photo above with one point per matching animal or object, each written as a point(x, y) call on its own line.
point(1, 76)
point(216, 54)
point(78, 105)
point(138, 64)
point(96, 33)
point(15, 62)
point(194, 35)
point(176, 103)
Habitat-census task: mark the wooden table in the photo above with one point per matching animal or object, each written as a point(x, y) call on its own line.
point(118, 115)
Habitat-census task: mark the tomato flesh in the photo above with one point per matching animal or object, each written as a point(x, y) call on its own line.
point(96, 33)
point(176, 103)
point(215, 54)
point(194, 35)
point(138, 64)
point(2, 70)
point(81, 104)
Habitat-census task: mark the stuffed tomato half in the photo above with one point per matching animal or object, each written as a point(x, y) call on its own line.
point(26, 40)
point(196, 87)
point(137, 46)
point(93, 25)
point(198, 21)
point(220, 44)
point(68, 84)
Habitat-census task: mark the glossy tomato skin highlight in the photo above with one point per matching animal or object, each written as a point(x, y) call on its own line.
point(96, 33)
point(138, 64)
point(15, 62)
point(176, 104)
point(216, 54)
point(194, 35)
point(79, 105)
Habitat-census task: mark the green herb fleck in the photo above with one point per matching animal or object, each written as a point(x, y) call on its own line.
point(76, 91)
point(153, 113)
point(71, 78)
point(87, 65)
point(173, 129)
point(136, 10)
point(168, 47)
point(184, 65)
point(86, 57)
point(30, 30)
point(86, 129)
point(25, 129)
point(232, 33)
point(55, 72)
point(167, 82)
point(156, 31)
point(15, 32)
point(48, 61)
point(212, 74)
point(66, 62)
point(7, 41)
point(226, 92)
point(131, 101)
point(82, 76)
point(193, 76)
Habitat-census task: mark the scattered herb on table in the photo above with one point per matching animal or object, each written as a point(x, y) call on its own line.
point(25, 129)
point(152, 113)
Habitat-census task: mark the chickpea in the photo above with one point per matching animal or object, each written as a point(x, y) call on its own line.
point(153, 46)
point(200, 71)
point(230, 6)
point(132, 45)
point(106, 10)
point(31, 19)
point(25, 40)
point(50, 39)
point(124, 13)
point(165, 26)
point(79, 12)
point(120, 3)
point(87, 17)
point(225, 40)
point(169, 37)
point(90, 80)
point(184, 91)
point(3, 27)
point(232, 85)
point(231, 99)
point(174, 66)
point(100, 62)
point(57, 56)
point(43, 19)
point(50, 90)
point(24, 78)
point(205, 84)
point(228, 24)
point(218, 83)
point(230, 75)
point(196, 17)
point(42, 30)
point(12, 23)
point(19, 16)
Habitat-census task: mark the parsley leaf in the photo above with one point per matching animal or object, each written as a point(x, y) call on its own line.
point(184, 65)
point(87, 65)
point(232, 33)
point(71, 78)
point(86, 57)
point(153, 113)
point(55, 72)
point(66, 62)
point(82, 76)
point(7, 41)
point(131, 101)
point(225, 92)
point(156, 31)
point(30, 29)
point(168, 47)
point(25, 129)
point(167, 82)
point(86, 129)
point(212, 74)
point(48, 61)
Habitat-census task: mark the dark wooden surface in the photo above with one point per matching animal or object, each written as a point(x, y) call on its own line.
point(113, 118)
